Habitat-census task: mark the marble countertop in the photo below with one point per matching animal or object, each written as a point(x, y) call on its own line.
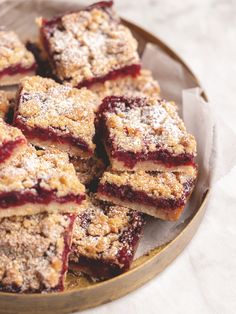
point(203, 278)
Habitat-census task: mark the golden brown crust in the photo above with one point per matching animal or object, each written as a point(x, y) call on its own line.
point(90, 44)
point(46, 104)
point(139, 86)
point(50, 169)
point(160, 213)
point(40, 266)
point(154, 123)
point(13, 52)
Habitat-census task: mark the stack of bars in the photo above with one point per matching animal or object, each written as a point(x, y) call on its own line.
point(85, 156)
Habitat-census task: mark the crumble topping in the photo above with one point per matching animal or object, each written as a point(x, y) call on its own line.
point(98, 232)
point(88, 170)
point(13, 52)
point(48, 169)
point(46, 104)
point(146, 125)
point(40, 266)
point(9, 133)
point(139, 86)
point(168, 185)
point(4, 104)
point(89, 43)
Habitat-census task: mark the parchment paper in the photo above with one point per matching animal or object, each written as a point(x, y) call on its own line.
point(178, 85)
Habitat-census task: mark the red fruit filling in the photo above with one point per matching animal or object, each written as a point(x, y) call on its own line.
point(51, 134)
point(126, 193)
point(42, 196)
point(17, 69)
point(7, 148)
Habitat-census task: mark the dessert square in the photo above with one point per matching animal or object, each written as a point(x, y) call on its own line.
point(40, 181)
point(142, 85)
point(51, 114)
point(34, 252)
point(15, 60)
point(12, 143)
point(105, 239)
point(89, 46)
point(144, 134)
point(88, 170)
point(159, 194)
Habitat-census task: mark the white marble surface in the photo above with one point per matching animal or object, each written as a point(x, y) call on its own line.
point(203, 278)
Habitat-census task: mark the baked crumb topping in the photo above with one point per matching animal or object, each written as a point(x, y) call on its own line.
point(98, 232)
point(32, 251)
point(140, 86)
point(48, 169)
point(88, 43)
point(146, 125)
point(88, 170)
point(9, 133)
point(46, 104)
point(4, 104)
point(13, 52)
point(168, 185)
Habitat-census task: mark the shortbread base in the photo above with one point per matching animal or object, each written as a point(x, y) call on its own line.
point(161, 213)
point(53, 207)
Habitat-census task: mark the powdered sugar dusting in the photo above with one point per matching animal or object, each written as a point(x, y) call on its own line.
point(148, 125)
point(88, 44)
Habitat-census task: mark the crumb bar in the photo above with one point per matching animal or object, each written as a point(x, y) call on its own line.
point(51, 114)
point(34, 252)
point(105, 239)
point(39, 181)
point(89, 46)
point(159, 194)
point(144, 134)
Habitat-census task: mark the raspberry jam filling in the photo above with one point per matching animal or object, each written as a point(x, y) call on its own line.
point(17, 69)
point(42, 196)
point(126, 193)
point(7, 148)
point(160, 156)
point(49, 134)
point(129, 70)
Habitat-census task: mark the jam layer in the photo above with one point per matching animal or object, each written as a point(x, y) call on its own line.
point(126, 193)
point(51, 134)
point(18, 68)
point(42, 196)
point(7, 148)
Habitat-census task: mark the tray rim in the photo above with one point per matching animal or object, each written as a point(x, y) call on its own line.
point(196, 219)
